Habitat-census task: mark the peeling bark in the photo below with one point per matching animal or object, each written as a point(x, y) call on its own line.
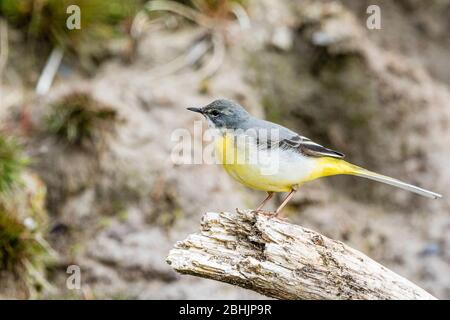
point(284, 261)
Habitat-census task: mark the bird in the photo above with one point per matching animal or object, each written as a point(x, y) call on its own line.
point(266, 156)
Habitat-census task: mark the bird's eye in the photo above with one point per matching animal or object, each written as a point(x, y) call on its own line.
point(214, 113)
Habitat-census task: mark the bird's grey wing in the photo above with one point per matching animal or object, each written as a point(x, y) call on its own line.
point(308, 147)
point(285, 138)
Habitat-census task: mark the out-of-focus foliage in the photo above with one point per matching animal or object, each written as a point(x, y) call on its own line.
point(78, 119)
point(45, 20)
point(12, 164)
point(18, 245)
point(211, 12)
point(23, 218)
point(214, 8)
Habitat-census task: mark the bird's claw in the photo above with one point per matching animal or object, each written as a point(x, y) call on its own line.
point(271, 214)
point(265, 212)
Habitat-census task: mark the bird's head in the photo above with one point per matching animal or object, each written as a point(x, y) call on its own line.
point(223, 114)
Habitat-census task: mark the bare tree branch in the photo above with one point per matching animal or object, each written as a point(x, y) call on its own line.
point(284, 261)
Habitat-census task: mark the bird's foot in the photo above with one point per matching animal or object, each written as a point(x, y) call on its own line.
point(265, 212)
point(272, 214)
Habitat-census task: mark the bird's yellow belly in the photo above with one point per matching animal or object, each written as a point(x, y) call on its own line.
point(266, 170)
point(251, 177)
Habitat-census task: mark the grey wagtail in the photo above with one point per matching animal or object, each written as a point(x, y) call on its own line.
point(298, 159)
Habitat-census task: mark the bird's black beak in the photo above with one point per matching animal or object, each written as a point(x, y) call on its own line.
point(199, 110)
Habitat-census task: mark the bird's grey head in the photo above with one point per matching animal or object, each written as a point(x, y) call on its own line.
point(223, 114)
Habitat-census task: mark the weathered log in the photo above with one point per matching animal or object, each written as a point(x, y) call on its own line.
point(284, 261)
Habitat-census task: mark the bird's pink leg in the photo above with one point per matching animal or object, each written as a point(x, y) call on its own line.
point(285, 201)
point(269, 196)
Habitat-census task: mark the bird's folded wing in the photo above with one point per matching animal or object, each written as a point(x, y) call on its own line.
point(285, 138)
point(308, 147)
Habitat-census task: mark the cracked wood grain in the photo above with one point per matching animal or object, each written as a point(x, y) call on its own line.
point(284, 261)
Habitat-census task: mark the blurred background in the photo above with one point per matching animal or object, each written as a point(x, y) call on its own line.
point(86, 117)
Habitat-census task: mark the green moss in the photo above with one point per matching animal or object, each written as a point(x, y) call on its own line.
point(12, 163)
point(45, 20)
point(23, 221)
point(18, 245)
point(77, 119)
point(41, 25)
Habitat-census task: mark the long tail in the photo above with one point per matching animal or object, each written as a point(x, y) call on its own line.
point(332, 166)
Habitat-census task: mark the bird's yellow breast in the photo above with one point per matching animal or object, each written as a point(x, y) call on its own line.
point(276, 170)
point(241, 163)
